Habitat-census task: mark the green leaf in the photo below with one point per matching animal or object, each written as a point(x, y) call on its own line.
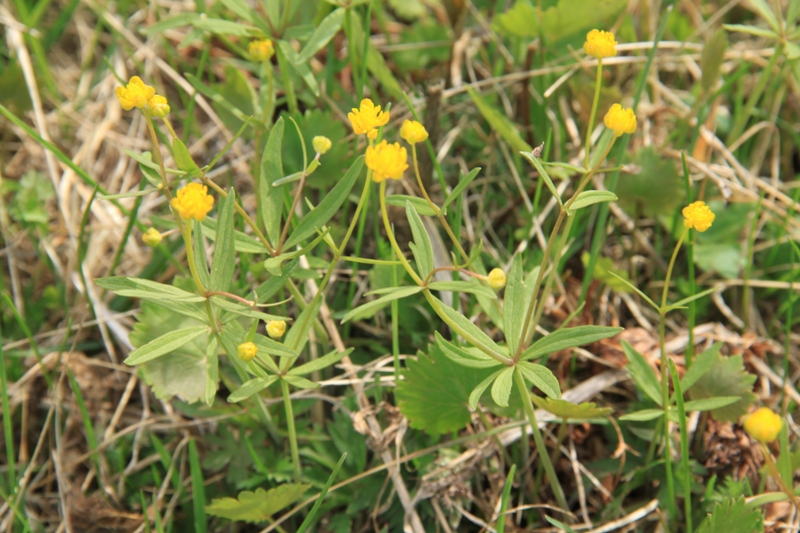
point(375, 61)
point(544, 175)
point(200, 261)
point(644, 376)
point(211, 371)
point(272, 347)
point(318, 364)
point(226, 28)
point(711, 59)
point(656, 189)
point(146, 289)
point(726, 377)
point(751, 30)
point(183, 158)
point(681, 303)
point(271, 198)
point(700, 366)
point(274, 265)
point(710, 404)
point(251, 387)
point(499, 123)
point(257, 506)
point(297, 336)
point(642, 416)
point(566, 410)
point(732, 515)
point(222, 266)
point(241, 8)
point(587, 198)
point(241, 241)
point(501, 388)
point(765, 10)
point(480, 388)
point(270, 288)
point(560, 21)
point(635, 289)
point(462, 185)
point(471, 287)
point(565, 338)
point(329, 206)
point(420, 204)
point(463, 356)
point(324, 32)
point(423, 251)
point(222, 95)
point(602, 273)
point(285, 49)
point(541, 377)
point(474, 334)
point(514, 305)
point(165, 344)
point(369, 308)
point(300, 382)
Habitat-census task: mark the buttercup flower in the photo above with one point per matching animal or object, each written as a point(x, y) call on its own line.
point(698, 215)
point(276, 328)
point(261, 50)
point(368, 118)
point(247, 351)
point(158, 106)
point(496, 279)
point(620, 120)
point(600, 44)
point(763, 425)
point(193, 201)
point(135, 94)
point(152, 237)
point(386, 161)
point(413, 132)
point(321, 144)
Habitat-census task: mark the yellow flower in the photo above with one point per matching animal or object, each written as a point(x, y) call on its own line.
point(763, 425)
point(368, 118)
point(413, 132)
point(276, 328)
point(152, 237)
point(698, 215)
point(261, 50)
point(620, 120)
point(193, 201)
point(496, 279)
point(321, 144)
point(158, 106)
point(386, 161)
point(247, 351)
point(600, 44)
point(135, 94)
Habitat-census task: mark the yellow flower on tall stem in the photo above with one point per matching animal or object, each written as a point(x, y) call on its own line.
point(698, 215)
point(600, 44)
point(620, 120)
point(368, 118)
point(386, 161)
point(193, 202)
point(134, 94)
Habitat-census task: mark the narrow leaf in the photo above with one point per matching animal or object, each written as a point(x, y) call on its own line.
point(543, 174)
point(461, 187)
point(542, 378)
point(164, 344)
point(514, 305)
point(564, 338)
point(643, 375)
point(424, 251)
point(471, 287)
point(477, 392)
point(369, 308)
point(501, 388)
point(222, 266)
point(251, 387)
point(323, 33)
point(318, 364)
point(270, 198)
point(701, 365)
point(587, 198)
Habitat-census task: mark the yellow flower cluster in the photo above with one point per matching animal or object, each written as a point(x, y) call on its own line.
point(620, 120)
point(413, 132)
point(600, 44)
point(763, 425)
point(247, 351)
point(261, 50)
point(137, 94)
point(193, 201)
point(368, 118)
point(386, 161)
point(698, 215)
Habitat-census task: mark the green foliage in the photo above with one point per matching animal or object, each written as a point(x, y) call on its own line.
point(31, 194)
point(732, 515)
point(603, 269)
point(257, 506)
point(566, 410)
point(656, 189)
point(499, 123)
point(558, 22)
point(726, 377)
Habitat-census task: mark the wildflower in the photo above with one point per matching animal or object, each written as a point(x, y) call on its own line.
point(600, 44)
point(763, 425)
point(261, 50)
point(276, 328)
point(152, 237)
point(386, 161)
point(158, 106)
point(698, 215)
point(193, 201)
point(135, 94)
point(496, 279)
point(413, 132)
point(620, 120)
point(368, 118)
point(321, 144)
point(247, 351)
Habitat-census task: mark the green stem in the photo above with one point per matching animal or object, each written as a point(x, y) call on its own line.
point(288, 222)
point(669, 270)
point(597, 85)
point(527, 404)
point(396, 247)
point(287, 403)
point(755, 95)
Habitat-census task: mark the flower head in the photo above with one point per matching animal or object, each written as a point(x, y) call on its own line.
point(321, 144)
point(152, 237)
point(496, 279)
point(158, 106)
point(276, 328)
point(261, 50)
point(386, 161)
point(763, 425)
point(620, 120)
point(600, 44)
point(193, 201)
point(698, 215)
point(368, 118)
point(413, 132)
point(246, 351)
point(135, 94)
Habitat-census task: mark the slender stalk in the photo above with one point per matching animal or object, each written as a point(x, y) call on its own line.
point(527, 404)
point(287, 403)
point(669, 270)
point(288, 222)
point(597, 85)
point(773, 470)
point(755, 95)
point(397, 250)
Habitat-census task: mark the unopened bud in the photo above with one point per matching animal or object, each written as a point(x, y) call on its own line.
point(152, 237)
point(158, 106)
point(496, 279)
point(276, 328)
point(321, 144)
point(247, 351)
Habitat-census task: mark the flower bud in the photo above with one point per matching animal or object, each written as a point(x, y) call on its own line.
point(152, 237)
point(276, 328)
point(247, 351)
point(321, 144)
point(763, 425)
point(158, 106)
point(261, 50)
point(496, 279)
point(413, 132)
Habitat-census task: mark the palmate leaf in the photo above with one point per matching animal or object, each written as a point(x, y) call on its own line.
point(257, 506)
point(732, 515)
point(435, 391)
point(726, 377)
